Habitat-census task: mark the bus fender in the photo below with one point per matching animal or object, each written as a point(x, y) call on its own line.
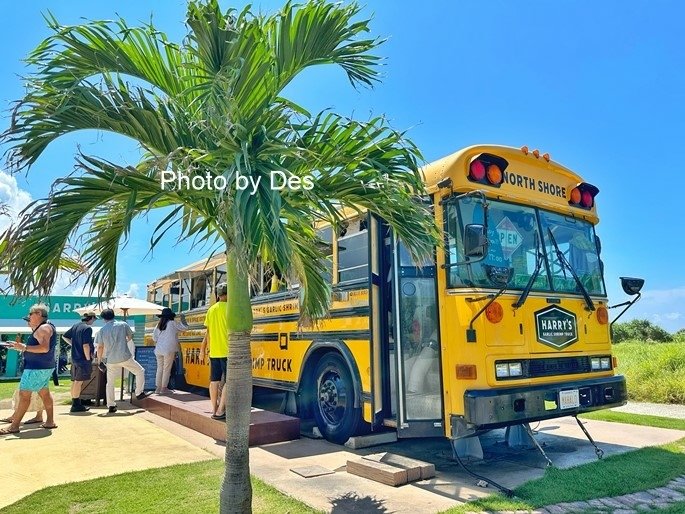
point(318, 346)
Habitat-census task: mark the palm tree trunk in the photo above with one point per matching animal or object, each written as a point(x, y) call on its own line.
point(236, 489)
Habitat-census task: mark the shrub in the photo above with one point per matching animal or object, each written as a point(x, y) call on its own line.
point(641, 330)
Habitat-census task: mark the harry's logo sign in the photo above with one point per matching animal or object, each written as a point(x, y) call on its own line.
point(556, 327)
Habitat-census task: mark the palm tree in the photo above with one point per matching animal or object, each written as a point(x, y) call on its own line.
point(210, 108)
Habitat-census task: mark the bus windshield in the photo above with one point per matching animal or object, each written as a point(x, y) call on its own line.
point(517, 234)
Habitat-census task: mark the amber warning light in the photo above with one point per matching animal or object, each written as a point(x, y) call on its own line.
point(583, 196)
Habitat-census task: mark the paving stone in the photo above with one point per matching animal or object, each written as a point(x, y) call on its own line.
point(555, 509)
point(611, 502)
point(596, 504)
point(643, 496)
point(625, 511)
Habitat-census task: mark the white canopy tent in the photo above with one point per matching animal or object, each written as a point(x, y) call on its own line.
point(123, 305)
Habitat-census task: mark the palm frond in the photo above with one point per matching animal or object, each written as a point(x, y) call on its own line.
point(48, 113)
point(78, 52)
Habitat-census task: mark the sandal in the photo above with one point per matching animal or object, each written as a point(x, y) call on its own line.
point(7, 431)
point(48, 427)
point(6, 420)
point(32, 421)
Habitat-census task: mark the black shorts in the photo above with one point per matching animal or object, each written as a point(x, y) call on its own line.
point(81, 371)
point(217, 368)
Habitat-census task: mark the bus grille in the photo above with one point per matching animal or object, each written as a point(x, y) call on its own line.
point(557, 366)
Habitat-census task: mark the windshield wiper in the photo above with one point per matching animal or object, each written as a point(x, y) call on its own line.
point(539, 258)
point(564, 262)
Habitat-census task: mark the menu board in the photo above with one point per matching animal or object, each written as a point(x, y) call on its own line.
point(145, 355)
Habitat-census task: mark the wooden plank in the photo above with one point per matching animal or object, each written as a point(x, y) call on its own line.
point(416, 469)
point(378, 471)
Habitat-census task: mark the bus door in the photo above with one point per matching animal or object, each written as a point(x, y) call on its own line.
point(414, 358)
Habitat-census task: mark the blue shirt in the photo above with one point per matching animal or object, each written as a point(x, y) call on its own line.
point(114, 336)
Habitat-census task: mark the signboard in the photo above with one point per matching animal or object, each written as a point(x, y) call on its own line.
point(556, 327)
point(145, 355)
point(510, 238)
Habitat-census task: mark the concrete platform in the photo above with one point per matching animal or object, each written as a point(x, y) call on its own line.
point(194, 411)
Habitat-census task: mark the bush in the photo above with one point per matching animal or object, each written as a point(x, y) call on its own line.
point(679, 336)
point(641, 330)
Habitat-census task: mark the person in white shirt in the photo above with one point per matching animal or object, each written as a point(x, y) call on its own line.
point(111, 343)
point(165, 337)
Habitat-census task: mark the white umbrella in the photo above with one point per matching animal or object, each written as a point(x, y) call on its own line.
point(124, 306)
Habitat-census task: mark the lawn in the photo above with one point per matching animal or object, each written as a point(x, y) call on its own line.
point(175, 489)
point(630, 472)
point(7, 388)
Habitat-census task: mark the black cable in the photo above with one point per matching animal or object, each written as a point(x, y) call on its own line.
point(507, 492)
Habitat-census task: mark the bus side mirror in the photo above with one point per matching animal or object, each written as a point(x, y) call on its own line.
point(475, 241)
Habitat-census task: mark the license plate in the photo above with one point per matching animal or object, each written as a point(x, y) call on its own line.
point(569, 399)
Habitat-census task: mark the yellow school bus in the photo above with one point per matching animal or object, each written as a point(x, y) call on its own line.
point(505, 325)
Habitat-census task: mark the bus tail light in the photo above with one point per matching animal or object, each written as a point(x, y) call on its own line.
point(487, 169)
point(466, 372)
point(494, 312)
point(583, 196)
point(602, 315)
point(614, 362)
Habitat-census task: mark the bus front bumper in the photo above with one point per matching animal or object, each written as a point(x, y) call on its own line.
point(494, 408)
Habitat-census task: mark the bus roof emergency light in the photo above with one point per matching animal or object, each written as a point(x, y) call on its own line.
point(583, 196)
point(487, 169)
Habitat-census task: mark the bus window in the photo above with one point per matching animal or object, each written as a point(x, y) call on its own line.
point(326, 235)
point(198, 291)
point(175, 294)
point(512, 235)
point(576, 241)
point(353, 252)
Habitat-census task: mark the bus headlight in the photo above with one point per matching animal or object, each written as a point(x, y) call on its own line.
point(508, 369)
point(515, 369)
point(502, 370)
point(605, 363)
point(594, 363)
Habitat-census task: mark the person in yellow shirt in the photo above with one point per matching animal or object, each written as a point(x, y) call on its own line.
point(216, 344)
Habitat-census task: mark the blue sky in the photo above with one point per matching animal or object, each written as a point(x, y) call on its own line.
point(599, 86)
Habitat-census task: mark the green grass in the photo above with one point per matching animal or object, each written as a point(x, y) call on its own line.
point(175, 489)
point(630, 472)
point(7, 388)
point(655, 372)
point(636, 419)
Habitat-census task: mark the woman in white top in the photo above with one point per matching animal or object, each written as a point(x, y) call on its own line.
point(166, 346)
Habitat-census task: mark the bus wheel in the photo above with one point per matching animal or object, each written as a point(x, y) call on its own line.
point(334, 410)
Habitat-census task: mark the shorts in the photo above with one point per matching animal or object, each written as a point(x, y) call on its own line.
point(35, 379)
point(81, 371)
point(217, 368)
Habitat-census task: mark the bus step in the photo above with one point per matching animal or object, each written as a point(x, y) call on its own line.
point(390, 422)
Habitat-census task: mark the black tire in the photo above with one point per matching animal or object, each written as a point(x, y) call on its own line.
point(335, 396)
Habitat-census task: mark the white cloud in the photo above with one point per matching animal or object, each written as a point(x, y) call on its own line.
point(133, 290)
point(13, 197)
point(665, 307)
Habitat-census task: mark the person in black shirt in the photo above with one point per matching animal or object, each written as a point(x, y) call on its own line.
point(80, 337)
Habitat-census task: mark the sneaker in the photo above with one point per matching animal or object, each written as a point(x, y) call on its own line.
point(142, 395)
point(112, 410)
point(78, 408)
